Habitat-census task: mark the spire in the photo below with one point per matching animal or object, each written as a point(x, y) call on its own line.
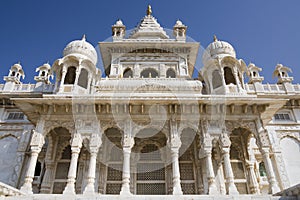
point(149, 10)
point(215, 38)
point(83, 37)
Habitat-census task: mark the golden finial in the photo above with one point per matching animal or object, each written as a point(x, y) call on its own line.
point(215, 38)
point(149, 10)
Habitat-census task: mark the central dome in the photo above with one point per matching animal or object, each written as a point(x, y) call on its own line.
point(218, 49)
point(81, 48)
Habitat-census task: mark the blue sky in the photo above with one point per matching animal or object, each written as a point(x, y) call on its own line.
point(265, 32)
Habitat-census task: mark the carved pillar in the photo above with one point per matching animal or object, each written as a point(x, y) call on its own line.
point(199, 179)
point(174, 144)
point(95, 142)
point(36, 145)
point(63, 76)
point(175, 168)
point(128, 143)
point(89, 82)
point(237, 80)
point(273, 186)
point(77, 74)
point(220, 176)
point(169, 179)
point(205, 152)
point(225, 147)
point(223, 76)
point(76, 145)
point(253, 184)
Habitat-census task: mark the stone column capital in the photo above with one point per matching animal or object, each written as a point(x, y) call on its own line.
point(37, 140)
point(76, 141)
point(224, 141)
point(127, 142)
point(265, 150)
point(174, 142)
point(225, 150)
point(95, 142)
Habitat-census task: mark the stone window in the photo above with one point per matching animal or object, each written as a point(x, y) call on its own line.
point(128, 73)
point(171, 73)
point(262, 169)
point(15, 116)
point(283, 116)
point(149, 73)
point(228, 75)
point(70, 76)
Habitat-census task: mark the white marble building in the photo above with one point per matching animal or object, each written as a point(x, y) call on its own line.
point(149, 129)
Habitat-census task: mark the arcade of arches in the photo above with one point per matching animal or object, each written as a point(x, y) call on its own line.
point(152, 163)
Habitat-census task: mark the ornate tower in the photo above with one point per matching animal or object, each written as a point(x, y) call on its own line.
point(222, 72)
point(76, 71)
point(44, 76)
point(14, 77)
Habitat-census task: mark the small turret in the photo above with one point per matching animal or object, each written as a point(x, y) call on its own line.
point(179, 31)
point(14, 77)
point(282, 73)
point(118, 31)
point(253, 74)
point(44, 74)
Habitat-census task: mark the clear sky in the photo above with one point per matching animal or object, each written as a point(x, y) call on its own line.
point(265, 32)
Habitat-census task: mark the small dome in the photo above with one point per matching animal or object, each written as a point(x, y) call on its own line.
point(119, 23)
point(178, 23)
point(218, 48)
point(81, 47)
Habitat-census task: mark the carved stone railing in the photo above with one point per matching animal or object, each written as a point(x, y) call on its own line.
point(269, 89)
point(30, 88)
point(6, 190)
point(138, 85)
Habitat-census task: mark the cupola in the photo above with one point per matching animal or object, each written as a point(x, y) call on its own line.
point(179, 31)
point(118, 31)
point(218, 49)
point(82, 49)
point(282, 73)
point(44, 74)
point(14, 77)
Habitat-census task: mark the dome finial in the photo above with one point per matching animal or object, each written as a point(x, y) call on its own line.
point(83, 37)
point(215, 38)
point(149, 10)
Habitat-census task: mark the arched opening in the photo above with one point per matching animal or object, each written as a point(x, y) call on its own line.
point(216, 79)
point(62, 168)
point(13, 73)
point(149, 73)
point(242, 144)
point(83, 78)
point(229, 77)
point(171, 73)
point(70, 76)
point(55, 169)
point(291, 150)
point(43, 73)
point(149, 163)
point(128, 73)
point(191, 179)
point(111, 182)
point(254, 74)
